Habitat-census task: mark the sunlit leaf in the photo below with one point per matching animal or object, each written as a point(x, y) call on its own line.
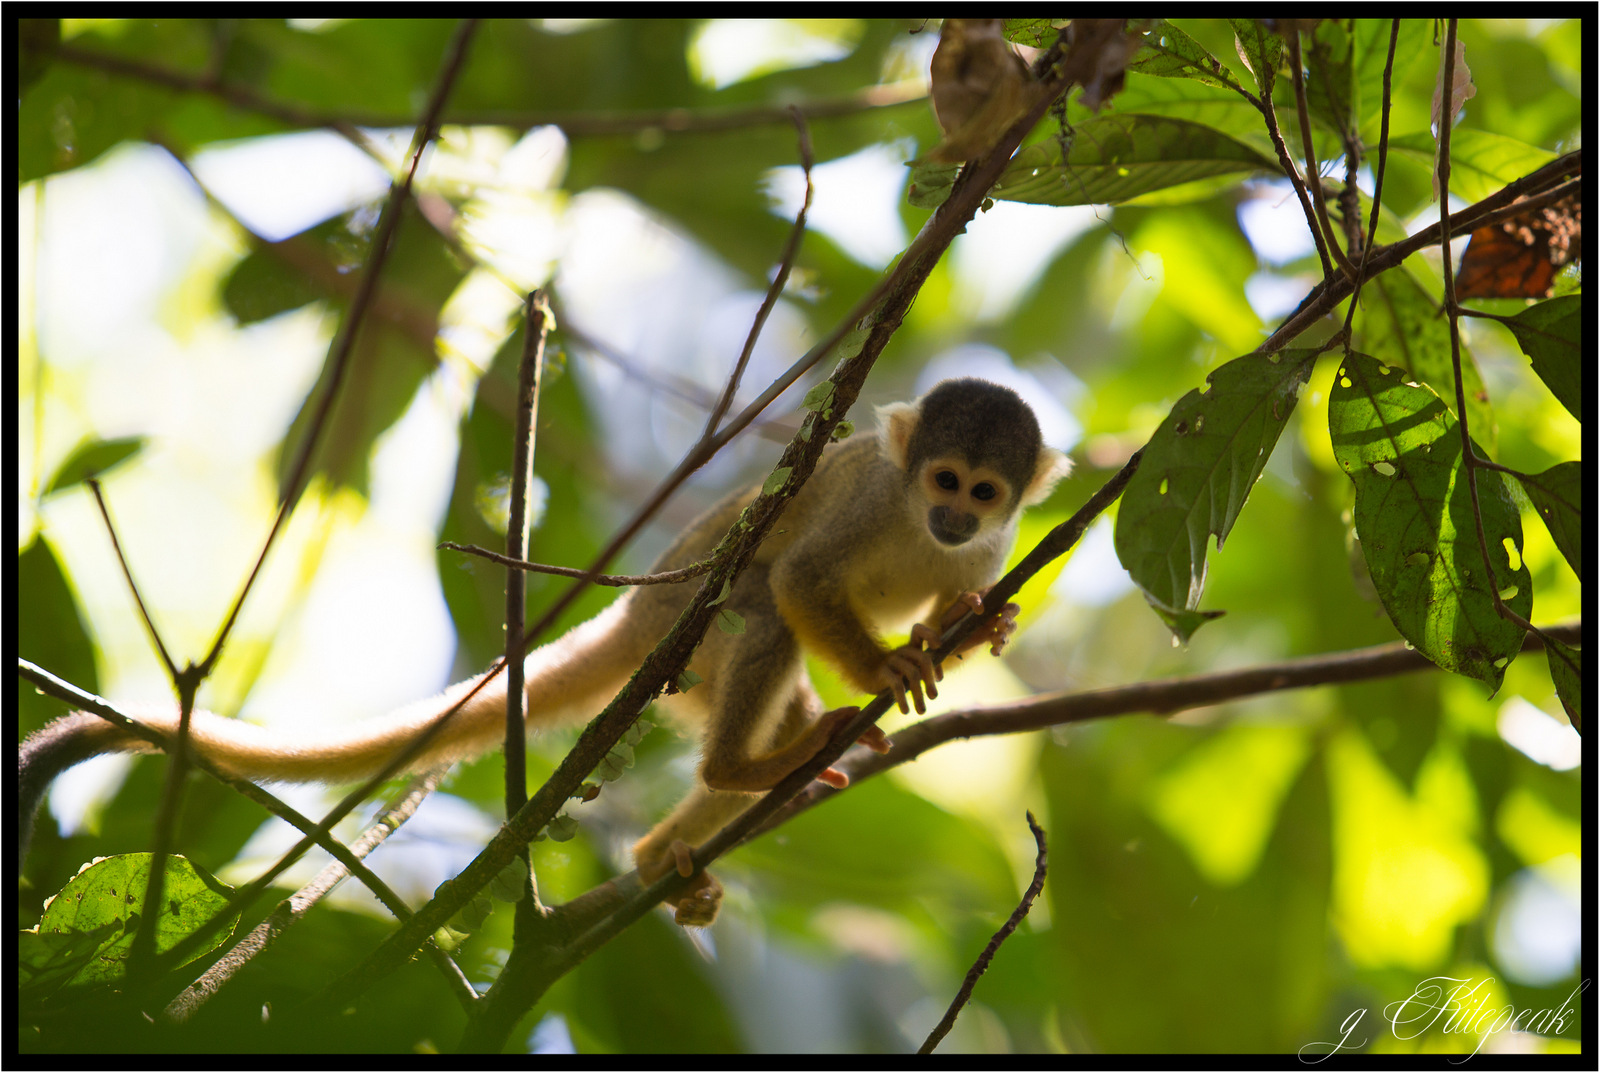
point(107, 899)
point(92, 459)
point(1197, 471)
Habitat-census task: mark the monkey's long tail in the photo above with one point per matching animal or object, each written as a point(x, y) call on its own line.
point(569, 679)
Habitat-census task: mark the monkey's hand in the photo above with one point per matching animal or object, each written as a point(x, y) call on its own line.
point(910, 669)
point(994, 632)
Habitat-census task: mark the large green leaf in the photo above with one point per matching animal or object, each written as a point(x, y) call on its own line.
point(1414, 515)
point(1197, 470)
point(1549, 333)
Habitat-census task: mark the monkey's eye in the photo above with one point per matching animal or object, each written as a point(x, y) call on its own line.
point(984, 491)
point(947, 480)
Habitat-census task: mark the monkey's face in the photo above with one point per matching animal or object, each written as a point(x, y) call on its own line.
point(963, 500)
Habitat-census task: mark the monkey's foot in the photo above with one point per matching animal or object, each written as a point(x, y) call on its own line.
point(696, 904)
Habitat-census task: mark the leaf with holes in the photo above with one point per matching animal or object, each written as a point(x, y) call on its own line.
point(1557, 495)
point(1197, 470)
point(1402, 448)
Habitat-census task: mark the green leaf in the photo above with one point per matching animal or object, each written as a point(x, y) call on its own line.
point(107, 900)
point(1197, 471)
point(1413, 514)
point(688, 680)
point(1399, 324)
point(930, 185)
point(263, 284)
point(512, 881)
point(730, 622)
point(1035, 33)
point(776, 480)
point(1329, 86)
point(1261, 49)
point(819, 396)
point(1168, 52)
point(92, 458)
point(562, 828)
point(1117, 157)
point(1557, 495)
point(1548, 333)
point(727, 587)
point(1566, 671)
point(1480, 162)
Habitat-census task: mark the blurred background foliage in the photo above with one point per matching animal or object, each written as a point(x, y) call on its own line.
point(1244, 877)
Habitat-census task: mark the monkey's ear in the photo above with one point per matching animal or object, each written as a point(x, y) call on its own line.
point(896, 422)
point(1051, 467)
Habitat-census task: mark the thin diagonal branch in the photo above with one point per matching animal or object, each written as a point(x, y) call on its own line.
point(981, 966)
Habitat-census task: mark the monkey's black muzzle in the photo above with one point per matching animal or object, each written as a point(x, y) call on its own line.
point(952, 526)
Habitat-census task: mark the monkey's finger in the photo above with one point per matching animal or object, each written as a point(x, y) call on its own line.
point(680, 856)
point(875, 739)
point(834, 778)
point(922, 633)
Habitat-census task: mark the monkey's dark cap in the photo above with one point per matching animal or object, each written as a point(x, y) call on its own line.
point(985, 423)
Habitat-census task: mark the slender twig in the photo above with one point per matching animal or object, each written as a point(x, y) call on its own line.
point(1377, 183)
point(666, 577)
point(1313, 166)
point(1270, 114)
point(127, 572)
point(294, 908)
point(1469, 457)
point(981, 966)
point(1161, 697)
point(536, 327)
point(1492, 209)
point(779, 279)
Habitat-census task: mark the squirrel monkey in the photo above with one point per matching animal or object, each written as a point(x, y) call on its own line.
point(919, 517)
